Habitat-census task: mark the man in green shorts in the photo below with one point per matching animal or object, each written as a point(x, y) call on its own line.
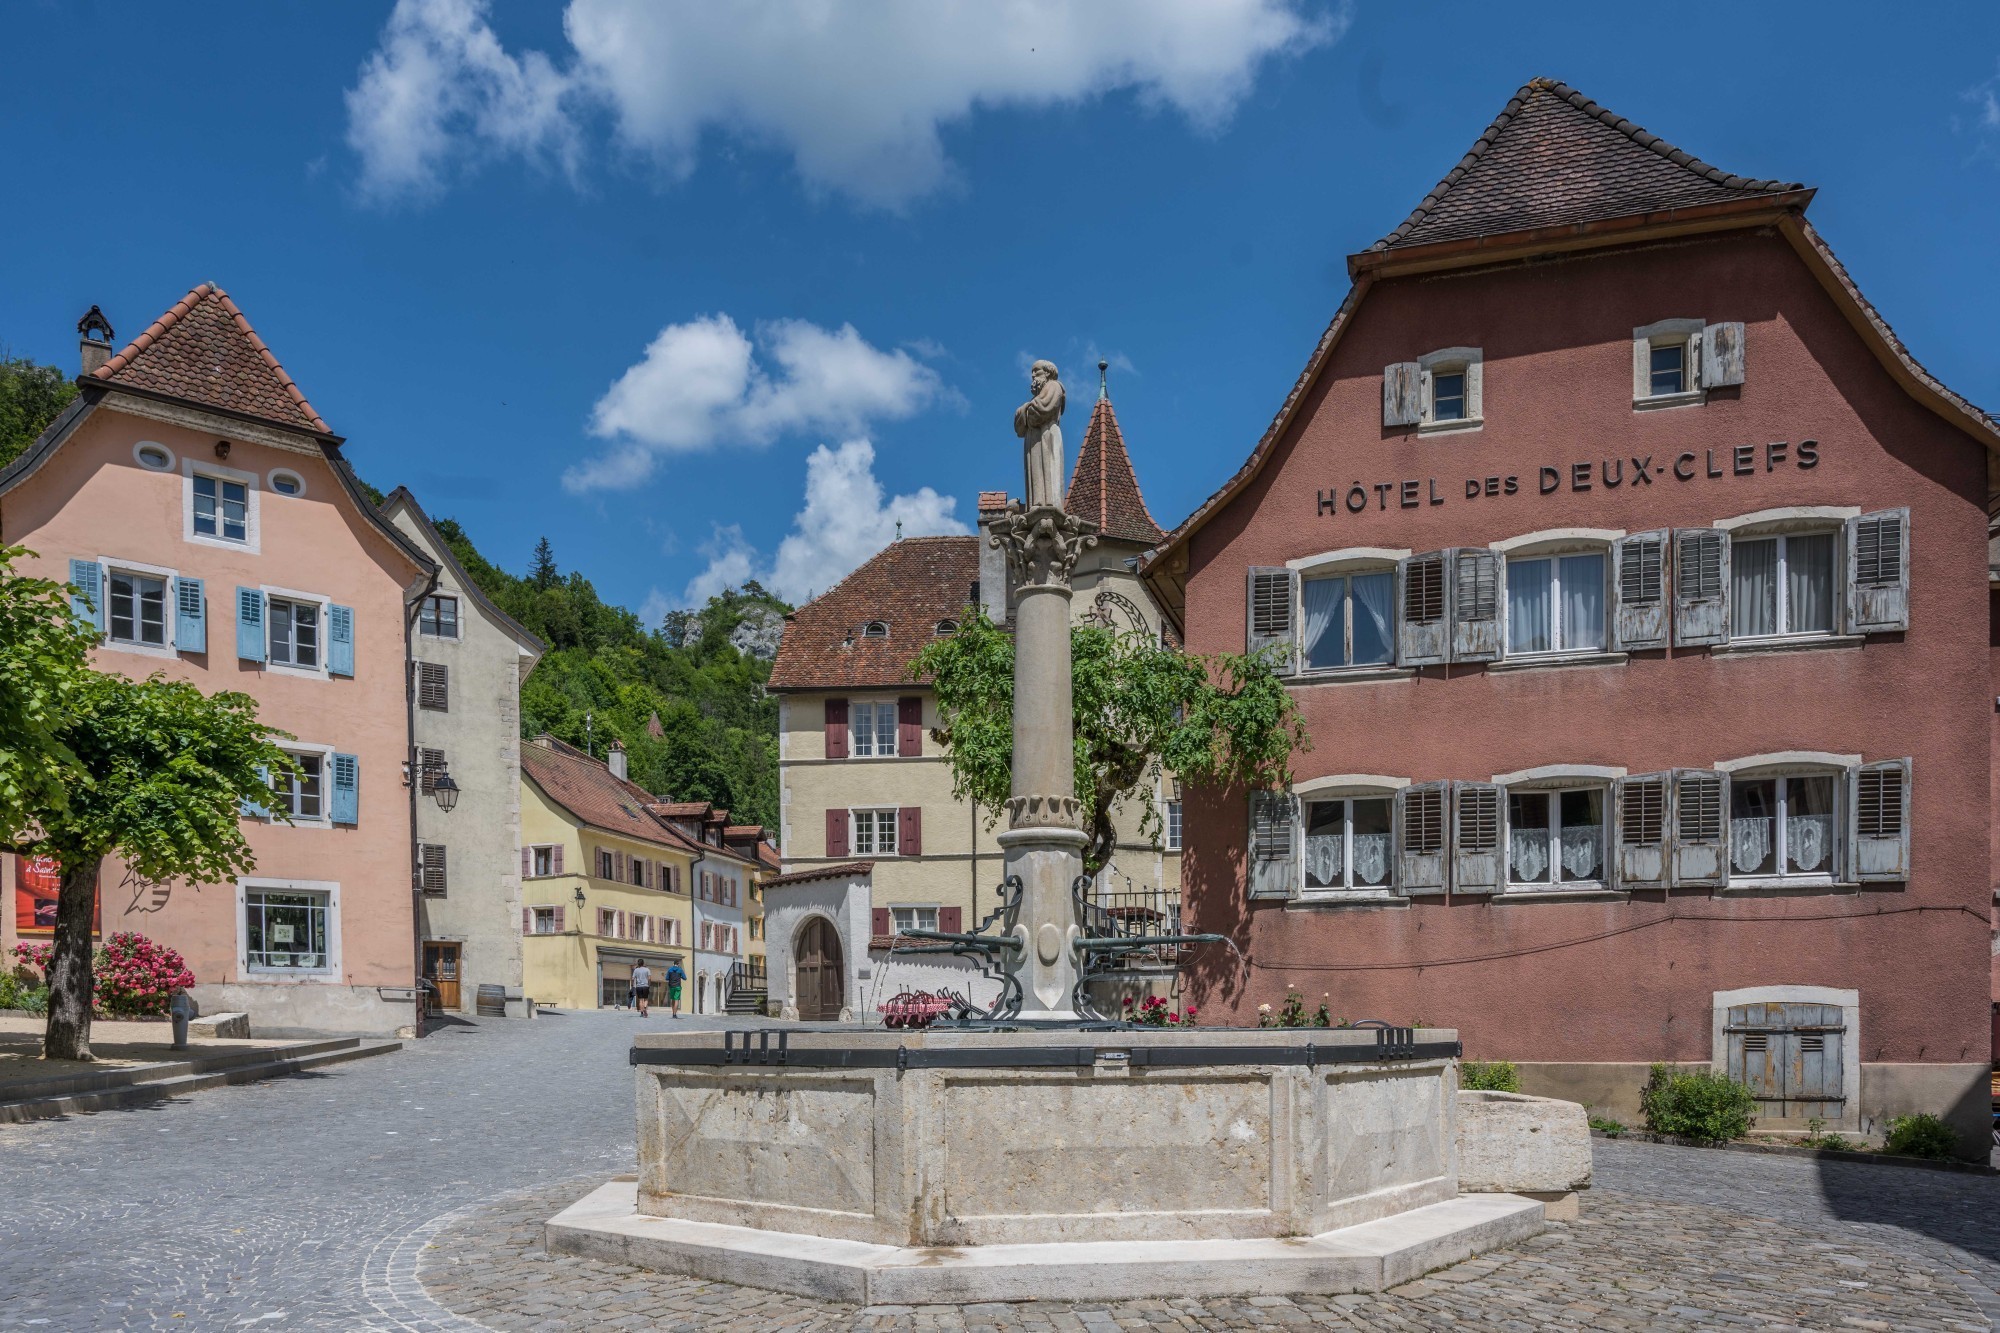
point(675, 979)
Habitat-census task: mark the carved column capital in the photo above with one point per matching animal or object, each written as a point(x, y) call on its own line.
point(1042, 544)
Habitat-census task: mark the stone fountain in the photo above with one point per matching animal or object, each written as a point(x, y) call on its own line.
point(1040, 1152)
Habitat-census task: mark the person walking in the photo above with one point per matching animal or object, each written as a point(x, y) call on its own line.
point(642, 987)
point(675, 979)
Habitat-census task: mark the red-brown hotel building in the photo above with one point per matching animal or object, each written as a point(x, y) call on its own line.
point(1631, 578)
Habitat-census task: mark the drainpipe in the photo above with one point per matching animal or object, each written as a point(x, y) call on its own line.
point(415, 784)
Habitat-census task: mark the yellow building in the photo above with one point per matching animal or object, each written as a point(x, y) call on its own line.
point(609, 880)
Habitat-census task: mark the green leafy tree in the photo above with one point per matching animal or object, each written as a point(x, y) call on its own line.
point(165, 770)
point(44, 653)
point(31, 396)
point(1222, 720)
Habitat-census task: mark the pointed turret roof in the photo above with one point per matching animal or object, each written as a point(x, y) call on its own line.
point(1554, 158)
point(204, 351)
point(1104, 490)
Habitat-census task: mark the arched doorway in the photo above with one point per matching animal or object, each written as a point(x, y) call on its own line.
point(820, 973)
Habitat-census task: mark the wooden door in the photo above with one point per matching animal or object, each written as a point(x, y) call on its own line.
point(441, 969)
point(819, 967)
point(1791, 1057)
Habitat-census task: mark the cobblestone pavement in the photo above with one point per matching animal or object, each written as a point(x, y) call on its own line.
point(408, 1192)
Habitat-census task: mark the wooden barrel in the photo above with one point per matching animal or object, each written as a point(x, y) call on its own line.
point(492, 1002)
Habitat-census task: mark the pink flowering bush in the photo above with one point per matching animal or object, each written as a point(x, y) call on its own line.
point(1153, 1012)
point(135, 977)
point(36, 955)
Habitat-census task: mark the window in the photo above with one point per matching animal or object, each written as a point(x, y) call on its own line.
point(875, 629)
point(430, 860)
point(1781, 585)
point(544, 921)
point(439, 618)
point(607, 865)
point(153, 457)
point(1555, 837)
point(221, 508)
point(138, 609)
point(434, 687)
point(284, 931)
point(294, 631)
point(1555, 604)
point(1349, 620)
point(300, 794)
point(638, 872)
point(430, 763)
point(874, 832)
point(1173, 826)
point(1348, 843)
point(873, 729)
point(1781, 826)
point(287, 483)
point(1669, 368)
point(708, 934)
point(945, 627)
point(541, 860)
point(607, 922)
point(908, 919)
point(1448, 396)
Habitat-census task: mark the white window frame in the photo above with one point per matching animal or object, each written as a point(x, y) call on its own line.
point(918, 920)
point(1174, 828)
point(1782, 524)
point(536, 917)
point(540, 853)
point(854, 733)
point(288, 976)
point(1667, 333)
point(171, 624)
point(1346, 570)
point(1553, 546)
point(271, 479)
point(325, 605)
point(138, 452)
point(1795, 764)
point(877, 816)
point(1553, 780)
point(252, 516)
point(1344, 795)
point(324, 753)
point(1469, 361)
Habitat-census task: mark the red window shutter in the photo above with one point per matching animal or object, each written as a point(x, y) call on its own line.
point(949, 918)
point(880, 923)
point(836, 833)
point(555, 860)
point(909, 726)
point(559, 919)
point(910, 831)
point(527, 920)
point(526, 868)
point(618, 866)
point(836, 728)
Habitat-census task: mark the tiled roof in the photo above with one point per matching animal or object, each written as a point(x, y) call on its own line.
point(204, 351)
point(992, 502)
point(586, 788)
point(1554, 157)
point(743, 831)
point(1103, 489)
point(767, 856)
point(910, 586)
point(822, 872)
point(680, 809)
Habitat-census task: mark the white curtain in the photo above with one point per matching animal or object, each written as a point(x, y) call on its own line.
point(1809, 841)
point(1809, 583)
point(1371, 858)
point(1323, 860)
point(1529, 587)
point(1582, 849)
point(1528, 854)
point(1582, 579)
point(1749, 842)
point(1753, 588)
point(1324, 634)
point(1374, 639)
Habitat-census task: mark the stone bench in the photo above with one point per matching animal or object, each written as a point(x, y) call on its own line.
point(220, 1025)
point(1511, 1143)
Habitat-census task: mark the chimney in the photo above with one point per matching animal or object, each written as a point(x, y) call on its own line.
point(94, 338)
point(614, 758)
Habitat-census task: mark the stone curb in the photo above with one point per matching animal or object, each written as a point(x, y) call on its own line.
point(1829, 1154)
point(146, 1093)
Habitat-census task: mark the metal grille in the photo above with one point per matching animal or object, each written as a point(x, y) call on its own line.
point(1700, 808)
point(1878, 551)
point(1644, 819)
point(1879, 803)
point(1478, 819)
point(1755, 1041)
point(1699, 570)
point(1423, 590)
point(1642, 572)
point(1476, 591)
point(1120, 909)
point(1812, 1043)
point(434, 686)
point(1271, 605)
point(1423, 819)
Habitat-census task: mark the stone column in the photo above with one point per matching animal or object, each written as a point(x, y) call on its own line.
point(1044, 840)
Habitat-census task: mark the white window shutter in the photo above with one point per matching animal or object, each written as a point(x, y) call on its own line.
point(1721, 355)
point(1640, 820)
point(1639, 591)
point(1478, 840)
point(1423, 605)
point(1475, 610)
point(1880, 802)
point(1274, 844)
point(1700, 828)
point(1878, 572)
point(1402, 394)
point(1701, 586)
point(1271, 617)
point(1421, 840)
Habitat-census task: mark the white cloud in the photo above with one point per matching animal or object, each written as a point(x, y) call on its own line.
point(854, 94)
point(845, 521)
point(703, 384)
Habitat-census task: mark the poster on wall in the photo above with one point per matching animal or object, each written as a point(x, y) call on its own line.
point(36, 881)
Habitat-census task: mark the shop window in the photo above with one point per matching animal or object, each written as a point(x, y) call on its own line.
point(1348, 843)
point(1555, 838)
point(1783, 826)
point(1348, 620)
point(285, 931)
point(872, 728)
point(1782, 585)
point(1555, 604)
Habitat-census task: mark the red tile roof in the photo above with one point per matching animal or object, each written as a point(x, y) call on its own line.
point(680, 809)
point(992, 502)
point(204, 351)
point(910, 586)
point(588, 790)
point(1103, 489)
point(743, 831)
point(821, 872)
point(1554, 157)
point(767, 856)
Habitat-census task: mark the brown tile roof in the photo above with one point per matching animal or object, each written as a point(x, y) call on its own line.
point(1103, 489)
point(992, 502)
point(204, 351)
point(743, 831)
point(680, 809)
point(1554, 157)
point(910, 586)
point(586, 788)
point(767, 856)
point(821, 872)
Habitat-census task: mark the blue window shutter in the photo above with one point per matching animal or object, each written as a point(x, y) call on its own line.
point(190, 615)
point(88, 601)
point(346, 789)
point(250, 624)
point(340, 640)
point(254, 809)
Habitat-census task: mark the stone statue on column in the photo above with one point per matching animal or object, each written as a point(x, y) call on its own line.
point(1039, 424)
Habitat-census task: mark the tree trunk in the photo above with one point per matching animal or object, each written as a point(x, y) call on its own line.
point(70, 983)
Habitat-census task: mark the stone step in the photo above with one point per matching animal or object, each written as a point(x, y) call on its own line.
point(200, 1062)
point(275, 1062)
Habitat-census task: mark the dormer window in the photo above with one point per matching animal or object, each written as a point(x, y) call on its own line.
point(875, 629)
point(945, 627)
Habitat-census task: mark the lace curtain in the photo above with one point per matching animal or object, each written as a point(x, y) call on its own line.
point(1749, 842)
point(1582, 850)
point(1528, 854)
point(1371, 858)
point(1323, 859)
point(1809, 842)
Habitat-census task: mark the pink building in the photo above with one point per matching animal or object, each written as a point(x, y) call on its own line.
point(1631, 578)
point(207, 511)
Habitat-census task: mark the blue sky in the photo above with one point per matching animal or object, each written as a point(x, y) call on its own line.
point(706, 291)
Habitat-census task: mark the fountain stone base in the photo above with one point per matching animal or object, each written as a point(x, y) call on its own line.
point(917, 1167)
